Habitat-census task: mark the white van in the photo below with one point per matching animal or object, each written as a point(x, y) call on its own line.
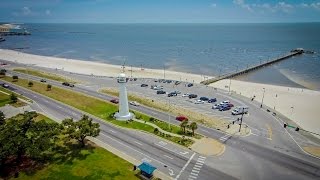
point(240, 110)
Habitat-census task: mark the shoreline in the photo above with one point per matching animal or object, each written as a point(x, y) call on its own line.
point(305, 102)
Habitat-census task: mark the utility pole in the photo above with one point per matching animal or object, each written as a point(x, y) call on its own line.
point(264, 90)
point(131, 71)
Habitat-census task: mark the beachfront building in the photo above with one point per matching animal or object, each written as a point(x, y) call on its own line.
point(123, 113)
point(11, 29)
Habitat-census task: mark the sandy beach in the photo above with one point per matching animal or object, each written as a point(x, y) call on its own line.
point(300, 105)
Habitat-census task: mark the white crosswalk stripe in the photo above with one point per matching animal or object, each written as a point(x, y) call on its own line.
point(197, 167)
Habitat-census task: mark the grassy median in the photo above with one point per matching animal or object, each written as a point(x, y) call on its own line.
point(45, 75)
point(69, 161)
point(100, 108)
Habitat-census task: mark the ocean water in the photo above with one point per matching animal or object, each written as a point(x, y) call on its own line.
point(209, 49)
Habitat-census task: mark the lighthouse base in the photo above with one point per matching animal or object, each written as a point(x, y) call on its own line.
point(123, 117)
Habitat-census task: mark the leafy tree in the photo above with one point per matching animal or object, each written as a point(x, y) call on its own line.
point(49, 87)
point(30, 84)
point(183, 125)
point(13, 98)
point(2, 118)
point(15, 78)
point(81, 129)
point(193, 126)
point(21, 136)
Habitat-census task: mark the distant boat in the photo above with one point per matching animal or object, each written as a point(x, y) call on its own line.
point(2, 39)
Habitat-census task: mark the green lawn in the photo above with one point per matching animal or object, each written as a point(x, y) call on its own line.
point(4, 99)
point(72, 162)
point(96, 107)
point(45, 75)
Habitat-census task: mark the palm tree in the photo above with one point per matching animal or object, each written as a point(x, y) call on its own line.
point(30, 84)
point(183, 125)
point(193, 126)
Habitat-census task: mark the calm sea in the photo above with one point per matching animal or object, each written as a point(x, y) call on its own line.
point(209, 49)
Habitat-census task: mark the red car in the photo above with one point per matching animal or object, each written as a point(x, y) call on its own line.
point(230, 105)
point(181, 118)
point(115, 101)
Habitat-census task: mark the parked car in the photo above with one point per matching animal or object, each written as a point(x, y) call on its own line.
point(134, 103)
point(43, 80)
point(230, 105)
point(135, 79)
point(5, 85)
point(157, 87)
point(225, 102)
point(115, 101)
point(177, 92)
point(224, 108)
point(172, 94)
point(71, 85)
point(190, 85)
point(204, 98)
point(181, 118)
point(193, 96)
point(186, 95)
point(144, 85)
point(199, 101)
point(177, 83)
point(65, 83)
point(216, 106)
point(212, 100)
point(161, 92)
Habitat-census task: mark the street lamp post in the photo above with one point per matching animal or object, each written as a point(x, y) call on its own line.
point(264, 90)
point(292, 111)
point(164, 72)
point(230, 85)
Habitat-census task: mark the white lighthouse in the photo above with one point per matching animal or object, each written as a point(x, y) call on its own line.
point(123, 113)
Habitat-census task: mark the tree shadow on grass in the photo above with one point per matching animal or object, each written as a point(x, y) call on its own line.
point(70, 151)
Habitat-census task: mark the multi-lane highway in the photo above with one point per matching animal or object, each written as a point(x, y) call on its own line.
point(252, 157)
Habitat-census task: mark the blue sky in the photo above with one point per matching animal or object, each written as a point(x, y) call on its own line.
point(159, 11)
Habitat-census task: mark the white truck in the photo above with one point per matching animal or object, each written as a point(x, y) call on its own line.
point(240, 110)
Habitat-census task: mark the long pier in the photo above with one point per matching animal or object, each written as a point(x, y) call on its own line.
point(254, 67)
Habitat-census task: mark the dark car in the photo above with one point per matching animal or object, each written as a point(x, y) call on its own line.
point(204, 99)
point(177, 83)
point(65, 84)
point(169, 81)
point(115, 101)
point(144, 85)
point(230, 105)
point(161, 92)
point(43, 80)
point(135, 79)
point(212, 100)
point(224, 108)
point(190, 85)
point(181, 118)
point(172, 94)
point(71, 85)
point(5, 85)
point(193, 96)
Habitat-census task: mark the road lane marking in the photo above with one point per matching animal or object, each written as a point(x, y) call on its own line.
point(138, 143)
point(168, 156)
point(269, 131)
point(195, 174)
point(185, 166)
point(195, 171)
point(198, 166)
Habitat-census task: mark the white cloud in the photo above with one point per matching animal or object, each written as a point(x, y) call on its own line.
point(242, 4)
point(315, 5)
point(48, 12)
point(285, 7)
point(26, 11)
point(213, 5)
